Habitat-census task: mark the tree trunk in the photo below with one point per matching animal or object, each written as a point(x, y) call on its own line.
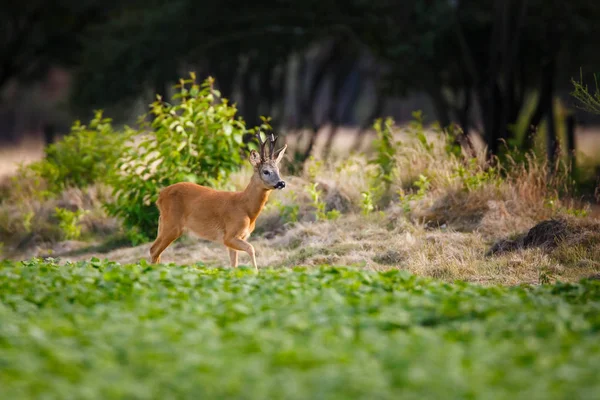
point(345, 78)
point(548, 101)
point(367, 123)
point(571, 122)
point(49, 134)
point(160, 87)
point(440, 104)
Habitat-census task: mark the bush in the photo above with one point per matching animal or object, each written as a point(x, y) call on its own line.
point(198, 139)
point(82, 158)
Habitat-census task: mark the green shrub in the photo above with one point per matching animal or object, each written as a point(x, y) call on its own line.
point(80, 159)
point(69, 222)
point(385, 159)
point(320, 206)
point(195, 139)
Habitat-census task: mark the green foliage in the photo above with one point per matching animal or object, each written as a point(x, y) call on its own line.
point(314, 168)
point(27, 218)
point(102, 330)
point(553, 203)
point(366, 204)
point(28, 184)
point(417, 130)
point(587, 100)
point(472, 176)
point(385, 150)
point(83, 157)
point(453, 148)
point(289, 212)
point(195, 139)
point(80, 159)
point(385, 161)
point(68, 222)
point(319, 204)
point(422, 185)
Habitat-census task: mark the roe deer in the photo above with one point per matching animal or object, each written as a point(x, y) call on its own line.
point(219, 216)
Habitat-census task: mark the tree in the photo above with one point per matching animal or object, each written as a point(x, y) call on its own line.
point(477, 60)
point(36, 36)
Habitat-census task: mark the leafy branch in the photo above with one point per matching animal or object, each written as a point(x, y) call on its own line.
point(588, 101)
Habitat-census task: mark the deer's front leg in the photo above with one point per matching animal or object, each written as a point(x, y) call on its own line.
point(233, 256)
point(234, 239)
point(241, 245)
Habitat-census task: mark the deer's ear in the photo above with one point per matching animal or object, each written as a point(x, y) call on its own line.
point(280, 154)
point(254, 158)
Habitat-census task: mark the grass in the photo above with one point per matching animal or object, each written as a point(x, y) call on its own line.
point(102, 330)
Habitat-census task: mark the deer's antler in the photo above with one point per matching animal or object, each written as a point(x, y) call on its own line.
point(272, 146)
point(262, 146)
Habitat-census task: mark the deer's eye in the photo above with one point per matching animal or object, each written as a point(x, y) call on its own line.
point(266, 172)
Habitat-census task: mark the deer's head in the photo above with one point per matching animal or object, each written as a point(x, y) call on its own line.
point(266, 163)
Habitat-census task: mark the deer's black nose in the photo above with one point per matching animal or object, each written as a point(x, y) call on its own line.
point(280, 185)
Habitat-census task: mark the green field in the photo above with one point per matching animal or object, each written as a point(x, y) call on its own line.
point(101, 330)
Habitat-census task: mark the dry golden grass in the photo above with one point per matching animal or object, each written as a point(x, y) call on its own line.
point(30, 226)
point(379, 243)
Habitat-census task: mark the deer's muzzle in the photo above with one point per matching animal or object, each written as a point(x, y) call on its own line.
point(280, 185)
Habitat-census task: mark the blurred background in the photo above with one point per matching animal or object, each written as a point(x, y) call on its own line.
point(502, 70)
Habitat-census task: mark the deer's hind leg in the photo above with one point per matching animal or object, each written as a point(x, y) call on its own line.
point(169, 229)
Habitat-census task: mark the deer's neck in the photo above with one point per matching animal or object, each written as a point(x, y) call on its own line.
point(255, 196)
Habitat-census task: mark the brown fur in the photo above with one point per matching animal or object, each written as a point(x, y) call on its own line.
point(219, 216)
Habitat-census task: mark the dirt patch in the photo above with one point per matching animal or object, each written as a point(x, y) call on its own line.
point(391, 257)
point(550, 234)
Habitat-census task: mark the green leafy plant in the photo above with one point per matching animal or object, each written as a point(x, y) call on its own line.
point(366, 204)
point(422, 185)
point(385, 150)
point(553, 203)
point(319, 205)
point(327, 332)
point(69, 222)
point(472, 176)
point(384, 160)
point(451, 134)
point(417, 130)
point(80, 159)
point(314, 168)
point(289, 212)
point(27, 219)
point(587, 100)
point(197, 138)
